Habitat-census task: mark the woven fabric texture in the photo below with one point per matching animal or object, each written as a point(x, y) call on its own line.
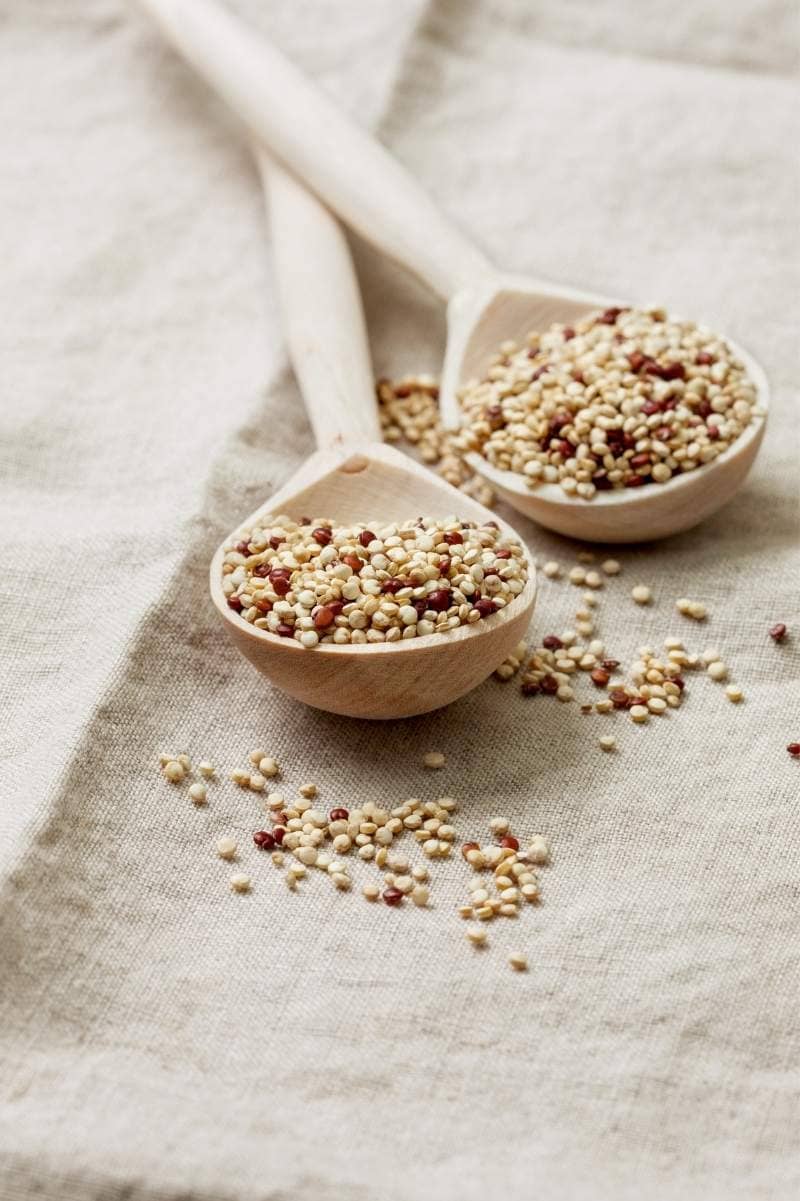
point(162, 1039)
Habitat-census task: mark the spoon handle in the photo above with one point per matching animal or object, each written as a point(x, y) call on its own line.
point(322, 312)
point(297, 122)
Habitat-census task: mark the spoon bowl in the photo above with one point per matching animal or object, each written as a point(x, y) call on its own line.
point(377, 680)
point(510, 307)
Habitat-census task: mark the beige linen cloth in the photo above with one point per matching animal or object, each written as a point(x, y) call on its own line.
point(162, 1039)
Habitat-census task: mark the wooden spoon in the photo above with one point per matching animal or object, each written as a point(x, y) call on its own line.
point(371, 192)
point(355, 477)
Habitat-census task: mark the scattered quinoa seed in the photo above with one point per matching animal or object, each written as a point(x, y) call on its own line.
point(206, 769)
point(611, 567)
point(434, 760)
point(240, 882)
point(734, 693)
point(174, 771)
point(642, 594)
point(477, 935)
point(778, 632)
point(198, 793)
point(226, 848)
point(552, 569)
point(518, 962)
point(538, 850)
point(608, 743)
point(690, 608)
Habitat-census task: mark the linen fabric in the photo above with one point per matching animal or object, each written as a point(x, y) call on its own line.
point(162, 1039)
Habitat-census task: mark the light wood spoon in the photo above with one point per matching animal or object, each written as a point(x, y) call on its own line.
point(355, 477)
point(371, 192)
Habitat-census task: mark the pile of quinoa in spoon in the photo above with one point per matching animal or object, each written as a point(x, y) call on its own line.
point(318, 582)
point(623, 399)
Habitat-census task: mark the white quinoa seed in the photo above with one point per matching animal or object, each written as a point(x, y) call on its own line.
point(611, 567)
point(734, 693)
point(198, 793)
point(420, 894)
point(552, 570)
point(518, 961)
point(642, 594)
point(206, 769)
point(371, 892)
point(717, 670)
point(226, 848)
point(434, 760)
point(174, 771)
point(240, 882)
point(477, 935)
point(607, 743)
point(538, 850)
point(689, 608)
